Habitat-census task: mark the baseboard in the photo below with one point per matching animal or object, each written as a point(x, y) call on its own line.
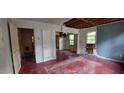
point(109, 58)
point(49, 58)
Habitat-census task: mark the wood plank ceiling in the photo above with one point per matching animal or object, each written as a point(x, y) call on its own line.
point(89, 22)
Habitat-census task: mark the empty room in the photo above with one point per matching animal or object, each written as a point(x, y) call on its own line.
point(61, 46)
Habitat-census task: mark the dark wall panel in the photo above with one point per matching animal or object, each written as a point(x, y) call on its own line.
point(110, 41)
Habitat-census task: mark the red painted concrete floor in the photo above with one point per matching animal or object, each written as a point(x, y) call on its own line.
point(81, 64)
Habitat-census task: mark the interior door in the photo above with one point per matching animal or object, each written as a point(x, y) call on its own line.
point(48, 45)
point(15, 47)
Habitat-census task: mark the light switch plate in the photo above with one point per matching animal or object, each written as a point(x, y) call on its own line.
point(1, 38)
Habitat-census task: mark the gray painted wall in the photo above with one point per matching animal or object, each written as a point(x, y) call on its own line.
point(110, 41)
point(5, 55)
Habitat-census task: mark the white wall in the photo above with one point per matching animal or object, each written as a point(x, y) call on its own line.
point(81, 42)
point(82, 39)
point(45, 43)
point(5, 55)
point(61, 43)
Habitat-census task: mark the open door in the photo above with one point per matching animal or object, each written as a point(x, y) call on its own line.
point(27, 46)
point(15, 47)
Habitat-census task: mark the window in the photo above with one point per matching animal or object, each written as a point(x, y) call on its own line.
point(91, 38)
point(71, 39)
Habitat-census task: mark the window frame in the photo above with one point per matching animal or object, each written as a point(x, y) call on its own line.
point(70, 40)
point(91, 36)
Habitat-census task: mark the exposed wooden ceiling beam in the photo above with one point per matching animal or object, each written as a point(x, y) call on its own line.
point(75, 23)
point(89, 22)
point(72, 21)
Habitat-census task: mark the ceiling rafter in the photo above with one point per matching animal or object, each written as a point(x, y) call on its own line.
point(72, 21)
point(89, 22)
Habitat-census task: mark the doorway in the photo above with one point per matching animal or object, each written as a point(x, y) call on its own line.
point(57, 40)
point(60, 44)
point(72, 38)
point(26, 44)
point(66, 45)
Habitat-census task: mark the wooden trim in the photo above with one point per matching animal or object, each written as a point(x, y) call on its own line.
point(11, 47)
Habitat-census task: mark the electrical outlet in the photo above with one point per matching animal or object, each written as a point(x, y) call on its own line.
point(1, 40)
point(120, 55)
